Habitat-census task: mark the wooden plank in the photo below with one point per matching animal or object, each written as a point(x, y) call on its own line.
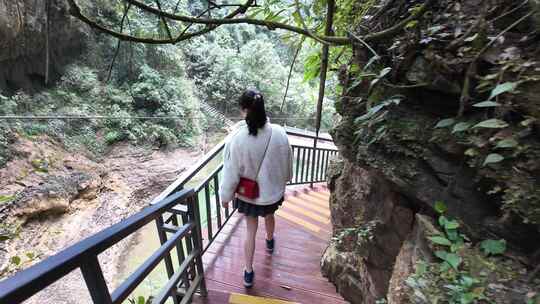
point(306, 213)
point(227, 288)
point(236, 298)
point(292, 273)
point(320, 194)
point(303, 204)
point(236, 252)
point(233, 258)
point(299, 221)
point(282, 246)
point(314, 200)
point(287, 276)
point(293, 219)
point(274, 289)
point(283, 228)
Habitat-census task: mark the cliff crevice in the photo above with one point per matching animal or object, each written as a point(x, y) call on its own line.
point(439, 164)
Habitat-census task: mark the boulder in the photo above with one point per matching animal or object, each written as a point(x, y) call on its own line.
point(415, 248)
point(360, 258)
point(54, 196)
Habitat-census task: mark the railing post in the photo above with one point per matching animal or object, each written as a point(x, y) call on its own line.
point(93, 276)
point(313, 159)
point(168, 260)
point(194, 215)
point(180, 253)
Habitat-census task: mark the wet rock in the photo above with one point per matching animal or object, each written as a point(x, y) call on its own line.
point(54, 196)
point(22, 42)
point(423, 72)
point(370, 224)
point(415, 248)
point(396, 166)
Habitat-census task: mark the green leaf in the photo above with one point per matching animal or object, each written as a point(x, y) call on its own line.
point(439, 240)
point(449, 225)
point(445, 123)
point(443, 219)
point(384, 72)
point(492, 124)
point(411, 24)
point(507, 143)
point(141, 300)
point(460, 127)
point(453, 259)
point(503, 88)
point(486, 104)
point(440, 207)
point(471, 38)
point(493, 158)
point(297, 18)
point(421, 268)
point(452, 235)
point(466, 298)
point(493, 247)
point(467, 281)
point(15, 260)
point(528, 122)
point(30, 255)
point(434, 29)
point(455, 247)
point(6, 198)
point(472, 152)
point(441, 254)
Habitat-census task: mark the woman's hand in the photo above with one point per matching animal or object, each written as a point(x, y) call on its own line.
point(225, 204)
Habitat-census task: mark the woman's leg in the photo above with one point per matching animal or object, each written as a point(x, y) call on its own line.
point(270, 224)
point(252, 223)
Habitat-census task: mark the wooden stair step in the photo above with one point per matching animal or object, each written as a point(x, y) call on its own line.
point(236, 298)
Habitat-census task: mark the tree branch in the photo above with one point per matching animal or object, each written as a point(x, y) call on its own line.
point(297, 4)
point(230, 19)
point(163, 20)
point(290, 74)
point(269, 24)
point(328, 30)
point(75, 11)
point(126, 10)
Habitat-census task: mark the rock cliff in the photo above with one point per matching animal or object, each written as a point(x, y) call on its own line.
point(23, 33)
point(439, 154)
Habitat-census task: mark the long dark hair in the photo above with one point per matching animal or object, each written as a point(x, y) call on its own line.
point(252, 102)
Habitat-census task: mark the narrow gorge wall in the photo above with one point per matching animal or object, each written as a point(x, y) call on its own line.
point(399, 158)
point(23, 32)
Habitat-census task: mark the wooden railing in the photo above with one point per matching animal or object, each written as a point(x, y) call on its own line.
point(188, 216)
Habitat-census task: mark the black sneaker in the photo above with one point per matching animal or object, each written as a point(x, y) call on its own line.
point(248, 278)
point(270, 245)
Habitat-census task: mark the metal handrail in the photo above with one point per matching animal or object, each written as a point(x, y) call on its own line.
point(185, 177)
point(310, 166)
point(84, 254)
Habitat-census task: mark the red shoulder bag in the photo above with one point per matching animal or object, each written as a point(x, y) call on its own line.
point(250, 188)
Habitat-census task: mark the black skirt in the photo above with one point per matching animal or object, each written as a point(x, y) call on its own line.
point(250, 209)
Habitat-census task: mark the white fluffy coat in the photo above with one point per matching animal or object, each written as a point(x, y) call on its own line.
point(242, 155)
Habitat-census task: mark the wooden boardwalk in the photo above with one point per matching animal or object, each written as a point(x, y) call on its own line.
point(292, 273)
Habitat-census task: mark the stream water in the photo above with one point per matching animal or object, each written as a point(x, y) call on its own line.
point(146, 241)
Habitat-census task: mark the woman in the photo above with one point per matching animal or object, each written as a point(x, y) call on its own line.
point(257, 151)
